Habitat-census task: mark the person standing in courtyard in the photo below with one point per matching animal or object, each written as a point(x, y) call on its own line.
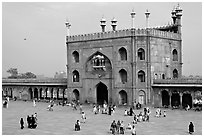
point(133, 130)
point(34, 103)
point(191, 128)
point(83, 117)
point(22, 123)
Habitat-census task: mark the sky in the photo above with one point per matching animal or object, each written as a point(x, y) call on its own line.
point(42, 24)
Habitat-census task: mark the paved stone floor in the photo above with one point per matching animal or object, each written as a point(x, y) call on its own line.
point(61, 121)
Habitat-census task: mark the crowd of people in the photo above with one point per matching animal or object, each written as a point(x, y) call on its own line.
point(115, 127)
point(31, 121)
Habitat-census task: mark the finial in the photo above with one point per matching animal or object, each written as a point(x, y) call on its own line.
point(67, 24)
point(103, 23)
point(147, 13)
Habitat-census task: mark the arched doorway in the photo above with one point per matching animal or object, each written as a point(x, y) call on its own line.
point(30, 92)
point(186, 100)
point(101, 93)
point(165, 98)
point(122, 97)
point(36, 93)
point(142, 97)
point(76, 94)
point(175, 99)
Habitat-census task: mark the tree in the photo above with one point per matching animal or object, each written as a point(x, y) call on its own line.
point(29, 75)
point(13, 72)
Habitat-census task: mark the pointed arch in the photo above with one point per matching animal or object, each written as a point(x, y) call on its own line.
point(75, 55)
point(141, 76)
point(75, 75)
point(175, 73)
point(122, 97)
point(141, 54)
point(123, 76)
point(175, 55)
point(123, 53)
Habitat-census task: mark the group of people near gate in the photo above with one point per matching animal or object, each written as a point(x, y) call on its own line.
point(142, 116)
point(31, 121)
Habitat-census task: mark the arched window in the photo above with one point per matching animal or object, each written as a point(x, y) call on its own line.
point(141, 54)
point(175, 73)
point(123, 53)
point(175, 55)
point(141, 76)
point(76, 56)
point(75, 76)
point(122, 97)
point(123, 75)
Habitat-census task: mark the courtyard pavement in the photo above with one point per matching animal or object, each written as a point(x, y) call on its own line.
point(61, 121)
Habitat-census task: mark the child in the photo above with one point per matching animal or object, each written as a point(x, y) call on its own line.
point(164, 113)
point(191, 128)
point(129, 126)
point(77, 125)
point(121, 128)
point(133, 130)
point(83, 117)
point(22, 123)
point(126, 113)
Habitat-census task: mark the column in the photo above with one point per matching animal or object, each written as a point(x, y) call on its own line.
point(57, 93)
point(181, 95)
point(170, 94)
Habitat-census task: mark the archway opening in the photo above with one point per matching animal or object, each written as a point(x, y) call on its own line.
point(75, 95)
point(142, 97)
point(36, 93)
point(122, 97)
point(186, 100)
point(165, 98)
point(175, 100)
point(101, 93)
point(30, 92)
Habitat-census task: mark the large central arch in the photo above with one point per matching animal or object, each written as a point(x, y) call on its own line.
point(101, 93)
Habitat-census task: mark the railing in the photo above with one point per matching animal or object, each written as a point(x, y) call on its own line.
point(178, 81)
point(50, 80)
point(123, 33)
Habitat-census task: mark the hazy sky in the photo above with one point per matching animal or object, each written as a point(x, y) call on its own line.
point(42, 24)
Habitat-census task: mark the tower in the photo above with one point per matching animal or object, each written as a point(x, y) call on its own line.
point(178, 17)
point(147, 13)
point(133, 18)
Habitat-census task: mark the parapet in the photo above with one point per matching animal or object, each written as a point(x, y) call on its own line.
point(122, 34)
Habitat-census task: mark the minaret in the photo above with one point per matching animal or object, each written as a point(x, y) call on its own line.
point(68, 25)
point(147, 13)
point(178, 17)
point(173, 15)
point(133, 19)
point(114, 24)
point(103, 24)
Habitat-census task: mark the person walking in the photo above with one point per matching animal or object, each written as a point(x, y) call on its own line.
point(191, 128)
point(133, 130)
point(22, 123)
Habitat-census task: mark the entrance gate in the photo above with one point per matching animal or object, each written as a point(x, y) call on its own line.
point(101, 93)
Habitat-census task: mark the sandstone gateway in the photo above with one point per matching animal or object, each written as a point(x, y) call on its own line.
point(121, 67)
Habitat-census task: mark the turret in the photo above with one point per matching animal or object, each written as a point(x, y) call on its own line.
point(173, 15)
point(103, 24)
point(147, 13)
point(114, 24)
point(133, 19)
